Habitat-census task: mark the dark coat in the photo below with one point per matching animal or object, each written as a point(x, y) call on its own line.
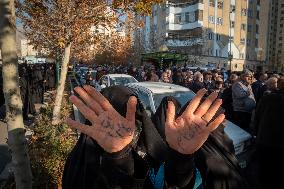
point(269, 120)
point(88, 166)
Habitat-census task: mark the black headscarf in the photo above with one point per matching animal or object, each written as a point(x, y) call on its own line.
point(215, 159)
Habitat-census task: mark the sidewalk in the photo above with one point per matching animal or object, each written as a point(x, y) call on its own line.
point(5, 157)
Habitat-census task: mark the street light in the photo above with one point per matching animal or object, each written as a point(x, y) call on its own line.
point(230, 56)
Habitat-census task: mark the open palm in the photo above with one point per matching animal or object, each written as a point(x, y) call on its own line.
point(112, 131)
point(187, 133)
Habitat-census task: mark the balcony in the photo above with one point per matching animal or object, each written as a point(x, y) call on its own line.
point(184, 26)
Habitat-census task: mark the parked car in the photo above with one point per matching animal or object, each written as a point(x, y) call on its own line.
point(152, 93)
point(114, 79)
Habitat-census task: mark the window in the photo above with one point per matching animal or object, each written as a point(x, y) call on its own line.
point(250, 13)
point(244, 12)
point(212, 3)
point(242, 55)
point(256, 42)
point(257, 15)
point(280, 38)
point(243, 41)
point(258, 2)
point(243, 27)
point(211, 36)
point(231, 38)
point(177, 19)
point(249, 28)
point(187, 15)
point(257, 28)
point(218, 37)
point(220, 21)
point(232, 25)
point(232, 8)
point(211, 19)
point(220, 4)
point(248, 42)
point(281, 25)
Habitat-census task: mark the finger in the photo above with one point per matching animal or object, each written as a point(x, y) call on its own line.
point(194, 102)
point(79, 126)
point(85, 110)
point(212, 111)
point(214, 124)
point(89, 101)
point(203, 108)
point(131, 109)
point(171, 111)
point(103, 102)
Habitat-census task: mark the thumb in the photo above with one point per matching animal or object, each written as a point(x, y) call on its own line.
point(131, 109)
point(171, 111)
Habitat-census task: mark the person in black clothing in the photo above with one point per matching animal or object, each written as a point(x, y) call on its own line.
point(50, 77)
point(197, 82)
point(89, 77)
point(215, 159)
point(269, 139)
point(123, 148)
point(208, 84)
point(256, 86)
point(228, 99)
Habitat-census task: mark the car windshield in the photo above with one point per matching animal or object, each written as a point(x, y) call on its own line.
point(182, 96)
point(121, 80)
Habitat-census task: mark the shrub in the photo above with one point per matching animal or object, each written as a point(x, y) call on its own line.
point(49, 147)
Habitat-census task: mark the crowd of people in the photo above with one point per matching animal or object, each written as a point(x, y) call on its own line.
point(129, 149)
point(34, 80)
point(253, 101)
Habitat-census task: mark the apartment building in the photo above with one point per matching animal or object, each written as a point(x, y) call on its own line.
point(228, 34)
point(276, 35)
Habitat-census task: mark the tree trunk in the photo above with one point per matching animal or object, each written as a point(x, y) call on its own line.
point(16, 131)
point(60, 88)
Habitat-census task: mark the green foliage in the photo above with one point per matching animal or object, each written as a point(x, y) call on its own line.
point(49, 148)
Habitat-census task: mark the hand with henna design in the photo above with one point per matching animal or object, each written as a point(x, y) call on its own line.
point(187, 133)
point(112, 131)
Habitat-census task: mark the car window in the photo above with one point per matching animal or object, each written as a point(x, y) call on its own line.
point(182, 96)
point(121, 80)
point(144, 99)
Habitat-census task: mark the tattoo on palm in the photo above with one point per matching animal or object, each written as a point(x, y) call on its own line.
point(187, 133)
point(119, 130)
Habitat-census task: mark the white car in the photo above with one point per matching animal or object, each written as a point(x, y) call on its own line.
point(152, 93)
point(114, 79)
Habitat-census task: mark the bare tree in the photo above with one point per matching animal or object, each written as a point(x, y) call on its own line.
point(16, 131)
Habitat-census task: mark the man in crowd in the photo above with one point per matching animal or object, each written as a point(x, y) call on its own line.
point(243, 100)
point(256, 86)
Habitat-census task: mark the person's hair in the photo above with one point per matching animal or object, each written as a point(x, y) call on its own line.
point(207, 73)
point(280, 84)
point(270, 81)
point(234, 77)
point(197, 75)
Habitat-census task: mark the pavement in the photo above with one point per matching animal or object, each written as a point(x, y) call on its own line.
point(5, 157)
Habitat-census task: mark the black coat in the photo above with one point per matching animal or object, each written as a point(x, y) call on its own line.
point(88, 166)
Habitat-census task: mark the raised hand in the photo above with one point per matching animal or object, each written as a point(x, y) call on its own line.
point(187, 133)
point(112, 131)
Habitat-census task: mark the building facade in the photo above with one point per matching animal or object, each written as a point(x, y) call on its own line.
point(276, 35)
point(228, 34)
